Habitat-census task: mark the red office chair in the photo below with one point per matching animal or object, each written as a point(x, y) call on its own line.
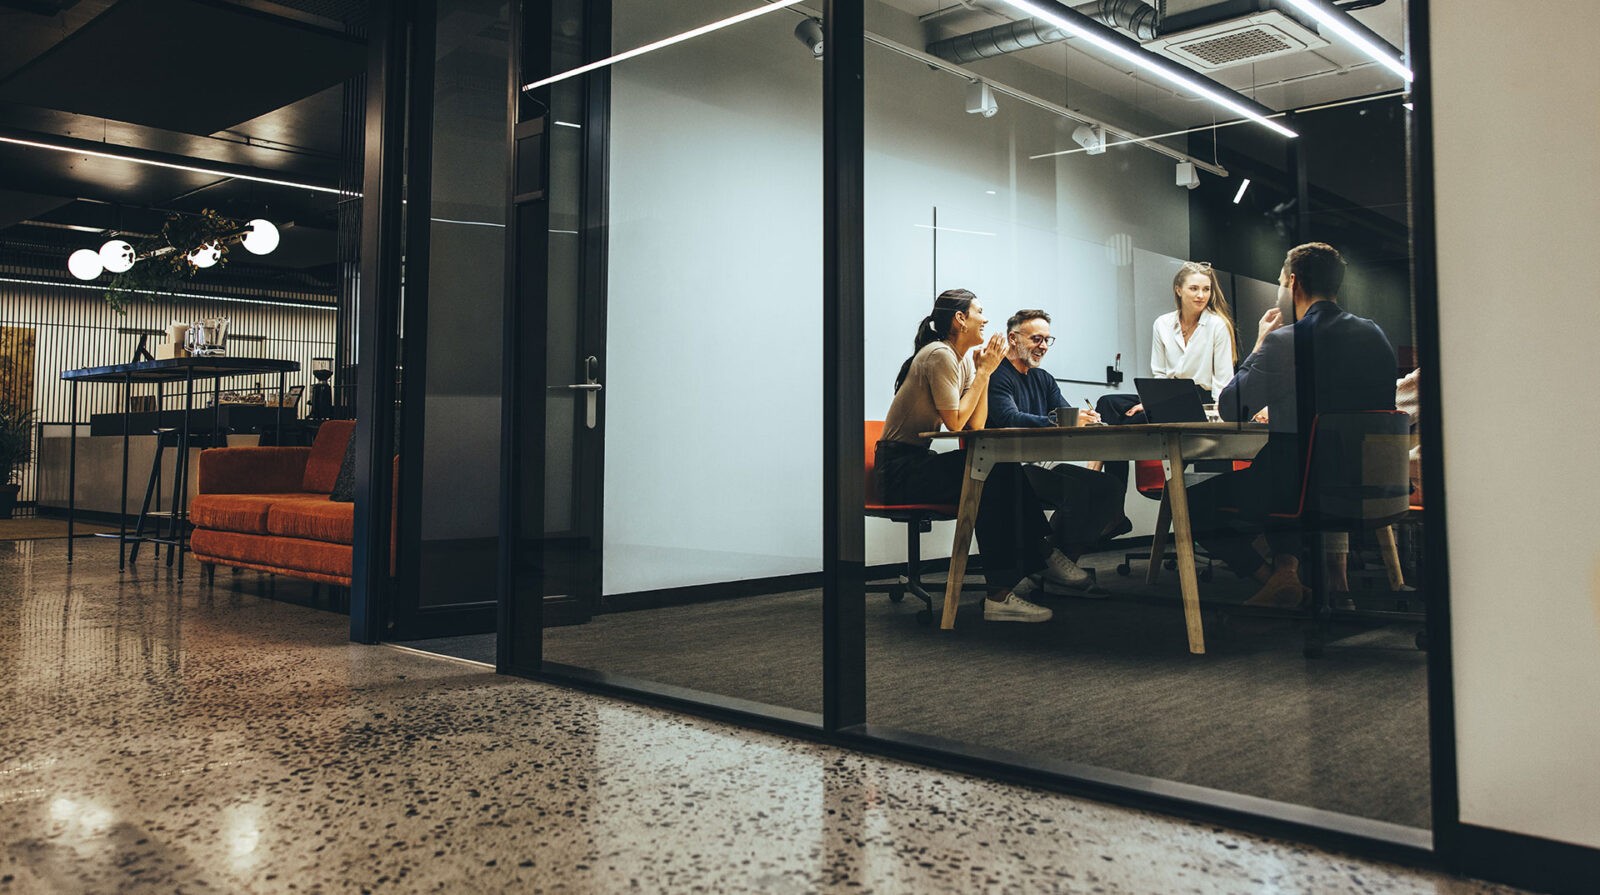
point(918, 518)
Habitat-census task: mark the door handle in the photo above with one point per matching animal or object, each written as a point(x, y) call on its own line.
point(591, 388)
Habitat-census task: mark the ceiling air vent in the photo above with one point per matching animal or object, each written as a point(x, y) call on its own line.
point(1237, 41)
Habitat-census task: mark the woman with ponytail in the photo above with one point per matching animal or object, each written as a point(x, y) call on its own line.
point(945, 383)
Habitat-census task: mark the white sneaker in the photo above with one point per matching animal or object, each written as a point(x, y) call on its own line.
point(1027, 587)
point(1014, 609)
point(1064, 572)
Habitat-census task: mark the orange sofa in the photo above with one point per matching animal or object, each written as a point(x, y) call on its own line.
point(267, 508)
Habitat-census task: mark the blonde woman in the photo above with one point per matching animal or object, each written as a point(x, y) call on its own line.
point(1195, 341)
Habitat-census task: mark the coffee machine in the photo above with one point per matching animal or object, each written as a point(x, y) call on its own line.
point(321, 391)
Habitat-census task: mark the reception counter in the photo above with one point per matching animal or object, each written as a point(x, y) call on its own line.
point(100, 469)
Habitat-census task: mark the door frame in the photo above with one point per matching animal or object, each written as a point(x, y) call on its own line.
point(524, 610)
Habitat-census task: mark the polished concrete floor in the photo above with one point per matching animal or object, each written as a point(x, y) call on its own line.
point(171, 737)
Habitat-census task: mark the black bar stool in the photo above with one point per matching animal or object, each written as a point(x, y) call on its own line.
point(167, 437)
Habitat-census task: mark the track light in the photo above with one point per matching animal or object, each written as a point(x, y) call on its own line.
point(1187, 177)
point(980, 100)
point(1092, 137)
point(1242, 187)
point(809, 32)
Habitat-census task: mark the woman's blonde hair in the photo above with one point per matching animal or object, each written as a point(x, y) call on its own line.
point(1218, 304)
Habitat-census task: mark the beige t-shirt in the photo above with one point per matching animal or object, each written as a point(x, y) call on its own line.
point(936, 382)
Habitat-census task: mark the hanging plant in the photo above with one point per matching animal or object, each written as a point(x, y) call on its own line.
point(165, 262)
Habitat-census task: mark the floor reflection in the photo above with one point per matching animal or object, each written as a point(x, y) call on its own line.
point(180, 737)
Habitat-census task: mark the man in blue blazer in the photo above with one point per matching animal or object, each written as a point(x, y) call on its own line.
point(1311, 356)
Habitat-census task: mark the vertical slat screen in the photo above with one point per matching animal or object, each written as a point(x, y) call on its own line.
point(74, 328)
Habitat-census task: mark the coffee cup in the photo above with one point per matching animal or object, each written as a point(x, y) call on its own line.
point(1065, 415)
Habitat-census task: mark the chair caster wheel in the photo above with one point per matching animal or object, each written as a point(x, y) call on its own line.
point(924, 618)
point(1205, 574)
point(1124, 570)
point(896, 596)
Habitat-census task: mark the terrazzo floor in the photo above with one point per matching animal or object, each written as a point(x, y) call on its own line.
point(178, 737)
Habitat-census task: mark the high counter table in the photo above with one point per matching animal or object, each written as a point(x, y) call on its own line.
point(161, 372)
point(1178, 443)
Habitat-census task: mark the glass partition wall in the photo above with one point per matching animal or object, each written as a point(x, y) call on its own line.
point(677, 415)
point(700, 363)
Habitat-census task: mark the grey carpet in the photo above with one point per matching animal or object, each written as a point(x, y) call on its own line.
point(1106, 683)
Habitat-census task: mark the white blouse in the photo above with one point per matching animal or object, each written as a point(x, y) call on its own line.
point(1207, 358)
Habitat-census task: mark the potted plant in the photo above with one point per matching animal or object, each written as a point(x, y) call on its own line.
point(16, 449)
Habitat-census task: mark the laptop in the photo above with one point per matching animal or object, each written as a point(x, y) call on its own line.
point(1170, 400)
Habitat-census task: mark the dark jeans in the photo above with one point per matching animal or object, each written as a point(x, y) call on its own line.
point(1248, 495)
point(1086, 503)
point(1011, 528)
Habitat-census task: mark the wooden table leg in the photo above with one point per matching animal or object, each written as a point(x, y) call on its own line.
point(1158, 541)
point(966, 517)
point(1183, 535)
point(1391, 557)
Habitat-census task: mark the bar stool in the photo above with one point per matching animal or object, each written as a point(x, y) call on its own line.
point(168, 437)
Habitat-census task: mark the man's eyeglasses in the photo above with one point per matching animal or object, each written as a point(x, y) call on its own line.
point(1046, 341)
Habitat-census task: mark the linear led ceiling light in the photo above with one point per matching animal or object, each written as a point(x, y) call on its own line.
point(664, 42)
point(1342, 24)
point(1082, 26)
point(213, 172)
point(1242, 187)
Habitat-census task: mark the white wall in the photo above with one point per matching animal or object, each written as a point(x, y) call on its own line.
point(714, 333)
point(714, 330)
point(1518, 219)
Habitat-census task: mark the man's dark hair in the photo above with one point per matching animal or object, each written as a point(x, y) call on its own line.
point(1024, 316)
point(1318, 267)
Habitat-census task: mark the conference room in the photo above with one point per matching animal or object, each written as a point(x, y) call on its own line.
point(685, 485)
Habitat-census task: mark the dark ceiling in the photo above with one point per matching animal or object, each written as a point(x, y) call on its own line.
point(237, 88)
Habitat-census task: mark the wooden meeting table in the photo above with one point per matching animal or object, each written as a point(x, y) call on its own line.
point(1177, 443)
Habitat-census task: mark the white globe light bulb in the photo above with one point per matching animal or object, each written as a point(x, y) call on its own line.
point(85, 264)
point(262, 238)
point(117, 256)
point(205, 256)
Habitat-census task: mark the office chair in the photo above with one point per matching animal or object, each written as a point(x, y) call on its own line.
point(1356, 478)
point(917, 517)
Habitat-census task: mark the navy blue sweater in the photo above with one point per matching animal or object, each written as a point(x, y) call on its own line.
point(1017, 401)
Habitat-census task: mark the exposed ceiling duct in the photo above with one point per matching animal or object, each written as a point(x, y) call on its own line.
point(1133, 16)
point(1205, 35)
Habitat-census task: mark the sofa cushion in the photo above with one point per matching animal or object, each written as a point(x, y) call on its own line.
point(327, 452)
point(314, 517)
point(267, 551)
point(237, 512)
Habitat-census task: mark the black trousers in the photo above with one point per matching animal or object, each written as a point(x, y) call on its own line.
point(1011, 527)
point(1086, 503)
